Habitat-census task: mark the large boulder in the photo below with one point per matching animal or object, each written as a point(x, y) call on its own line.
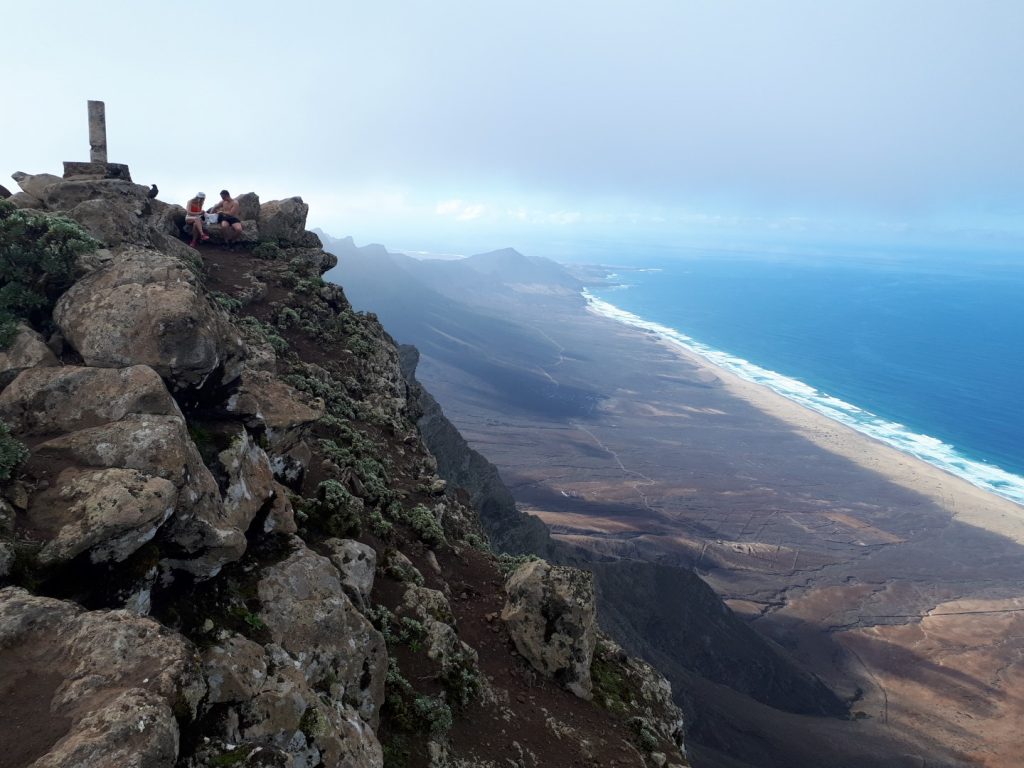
point(108, 512)
point(284, 221)
point(84, 421)
point(262, 697)
point(263, 402)
point(248, 206)
point(91, 689)
point(26, 350)
point(120, 195)
point(45, 402)
point(250, 481)
point(148, 308)
point(313, 258)
point(34, 184)
point(308, 614)
point(112, 224)
point(552, 619)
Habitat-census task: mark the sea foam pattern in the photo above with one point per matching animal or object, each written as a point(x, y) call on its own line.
point(929, 449)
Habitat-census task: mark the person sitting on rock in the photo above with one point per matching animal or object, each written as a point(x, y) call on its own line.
point(194, 218)
point(228, 210)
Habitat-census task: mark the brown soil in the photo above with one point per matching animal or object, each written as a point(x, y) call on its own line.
point(28, 728)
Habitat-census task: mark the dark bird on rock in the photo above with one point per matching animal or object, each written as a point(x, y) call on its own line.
point(153, 192)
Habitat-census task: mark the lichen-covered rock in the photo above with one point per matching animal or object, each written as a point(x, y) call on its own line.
point(629, 685)
point(53, 401)
point(147, 308)
point(112, 225)
point(119, 195)
point(288, 714)
point(110, 513)
point(281, 517)
point(26, 350)
point(264, 402)
point(111, 684)
point(235, 670)
point(425, 603)
point(552, 618)
point(309, 615)
point(316, 259)
point(357, 564)
point(250, 480)
point(97, 419)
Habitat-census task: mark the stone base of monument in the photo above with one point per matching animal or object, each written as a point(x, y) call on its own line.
point(75, 171)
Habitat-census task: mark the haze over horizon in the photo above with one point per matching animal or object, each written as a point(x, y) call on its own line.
point(461, 127)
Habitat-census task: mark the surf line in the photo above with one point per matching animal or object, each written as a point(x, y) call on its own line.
point(928, 449)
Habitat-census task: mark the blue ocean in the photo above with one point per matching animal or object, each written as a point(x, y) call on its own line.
point(925, 354)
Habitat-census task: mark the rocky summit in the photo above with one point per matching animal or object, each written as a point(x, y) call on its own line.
point(224, 542)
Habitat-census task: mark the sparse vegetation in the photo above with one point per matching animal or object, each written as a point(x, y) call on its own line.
point(267, 250)
point(336, 511)
point(37, 264)
point(508, 563)
point(12, 453)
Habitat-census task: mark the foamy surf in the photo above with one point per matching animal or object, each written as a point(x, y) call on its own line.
point(932, 450)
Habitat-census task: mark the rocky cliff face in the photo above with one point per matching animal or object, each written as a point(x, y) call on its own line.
point(223, 540)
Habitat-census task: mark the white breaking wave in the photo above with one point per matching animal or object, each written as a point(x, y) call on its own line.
point(932, 450)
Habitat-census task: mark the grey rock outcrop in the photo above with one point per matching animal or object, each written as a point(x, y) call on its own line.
point(26, 350)
point(357, 564)
point(147, 308)
point(34, 184)
point(552, 619)
point(309, 615)
point(90, 420)
point(250, 481)
point(285, 222)
point(248, 206)
point(109, 683)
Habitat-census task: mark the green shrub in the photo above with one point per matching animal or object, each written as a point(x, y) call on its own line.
point(268, 251)
point(381, 528)
point(37, 264)
point(426, 525)
point(12, 453)
point(508, 563)
point(434, 714)
point(336, 510)
point(461, 679)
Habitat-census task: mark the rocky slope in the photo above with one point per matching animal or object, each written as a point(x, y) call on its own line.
point(225, 542)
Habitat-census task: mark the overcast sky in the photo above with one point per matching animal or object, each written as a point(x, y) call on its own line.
point(466, 125)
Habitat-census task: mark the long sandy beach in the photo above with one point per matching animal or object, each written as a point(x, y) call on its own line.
point(897, 583)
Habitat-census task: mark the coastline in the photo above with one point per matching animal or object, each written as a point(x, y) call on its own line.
point(965, 500)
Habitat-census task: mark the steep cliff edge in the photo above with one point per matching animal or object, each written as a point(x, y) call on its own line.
point(224, 542)
point(666, 615)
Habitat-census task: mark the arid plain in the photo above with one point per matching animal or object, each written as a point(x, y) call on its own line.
point(899, 585)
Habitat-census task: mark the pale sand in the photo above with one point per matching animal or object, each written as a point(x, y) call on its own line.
point(968, 503)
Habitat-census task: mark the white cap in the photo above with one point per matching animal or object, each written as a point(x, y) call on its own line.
point(200, 195)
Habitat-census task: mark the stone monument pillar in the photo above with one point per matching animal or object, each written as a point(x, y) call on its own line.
point(97, 167)
point(97, 132)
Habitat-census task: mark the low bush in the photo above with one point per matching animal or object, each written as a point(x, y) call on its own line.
point(37, 264)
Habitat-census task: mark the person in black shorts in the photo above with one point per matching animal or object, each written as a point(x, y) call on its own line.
point(228, 210)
